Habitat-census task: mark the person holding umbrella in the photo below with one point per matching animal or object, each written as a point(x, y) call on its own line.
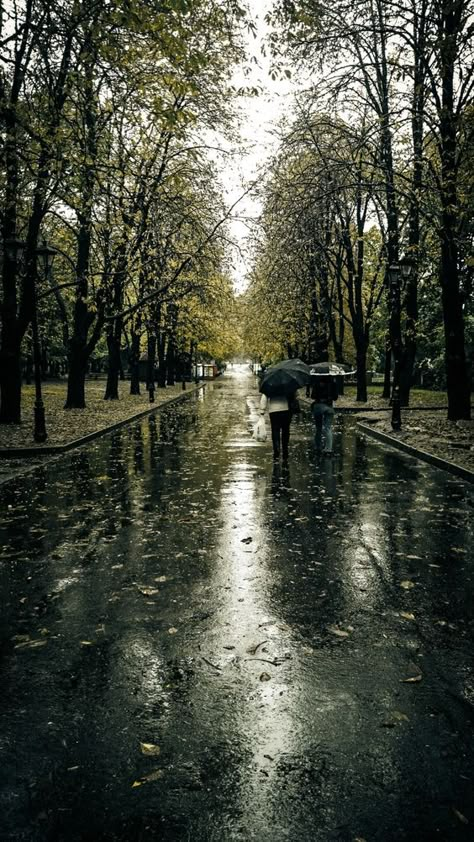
point(280, 419)
point(324, 392)
point(278, 387)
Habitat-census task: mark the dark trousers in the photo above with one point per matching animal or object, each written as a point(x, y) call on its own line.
point(280, 421)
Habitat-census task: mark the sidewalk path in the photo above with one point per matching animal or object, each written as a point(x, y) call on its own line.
point(201, 645)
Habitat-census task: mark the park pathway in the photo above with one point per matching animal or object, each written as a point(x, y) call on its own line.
point(199, 644)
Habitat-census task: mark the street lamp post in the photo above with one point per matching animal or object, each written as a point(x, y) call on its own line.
point(16, 249)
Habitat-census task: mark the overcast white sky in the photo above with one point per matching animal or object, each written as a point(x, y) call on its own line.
point(258, 118)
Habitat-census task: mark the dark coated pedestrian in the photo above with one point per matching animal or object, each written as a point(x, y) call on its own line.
point(324, 392)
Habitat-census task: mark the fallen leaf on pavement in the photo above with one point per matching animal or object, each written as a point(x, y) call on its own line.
point(149, 749)
point(407, 584)
point(31, 644)
point(395, 717)
point(399, 716)
point(265, 676)
point(407, 615)
point(172, 630)
point(412, 680)
point(153, 776)
point(338, 632)
point(460, 816)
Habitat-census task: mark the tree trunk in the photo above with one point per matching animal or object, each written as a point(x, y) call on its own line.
point(338, 352)
point(409, 343)
point(170, 364)
point(14, 323)
point(28, 369)
point(113, 346)
point(161, 346)
point(459, 404)
point(10, 352)
point(134, 361)
point(80, 347)
point(76, 398)
point(79, 352)
point(10, 363)
point(171, 355)
point(150, 366)
point(336, 341)
point(361, 352)
point(409, 349)
point(78, 355)
point(387, 370)
point(322, 346)
point(417, 128)
point(10, 385)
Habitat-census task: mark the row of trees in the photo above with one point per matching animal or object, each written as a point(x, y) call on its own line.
point(106, 111)
point(374, 171)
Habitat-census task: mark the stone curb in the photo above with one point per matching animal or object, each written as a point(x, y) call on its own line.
point(52, 450)
point(386, 438)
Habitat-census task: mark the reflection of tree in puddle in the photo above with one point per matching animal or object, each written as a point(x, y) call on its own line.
point(153, 438)
point(170, 427)
point(81, 467)
point(138, 448)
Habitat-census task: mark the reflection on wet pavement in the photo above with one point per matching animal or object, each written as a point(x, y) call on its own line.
point(294, 641)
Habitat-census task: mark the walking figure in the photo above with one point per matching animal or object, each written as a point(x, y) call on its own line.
point(280, 419)
point(324, 393)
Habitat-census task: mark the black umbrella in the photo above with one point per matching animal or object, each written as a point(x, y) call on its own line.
point(328, 370)
point(285, 378)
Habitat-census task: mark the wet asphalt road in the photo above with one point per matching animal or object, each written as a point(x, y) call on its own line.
point(293, 645)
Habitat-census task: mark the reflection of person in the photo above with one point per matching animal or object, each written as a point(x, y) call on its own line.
point(280, 419)
point(280, 483)
point(324, 393)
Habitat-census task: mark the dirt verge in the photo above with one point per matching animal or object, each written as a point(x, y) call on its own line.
point(431, 432)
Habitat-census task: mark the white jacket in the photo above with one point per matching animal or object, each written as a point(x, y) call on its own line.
point(276, 404)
